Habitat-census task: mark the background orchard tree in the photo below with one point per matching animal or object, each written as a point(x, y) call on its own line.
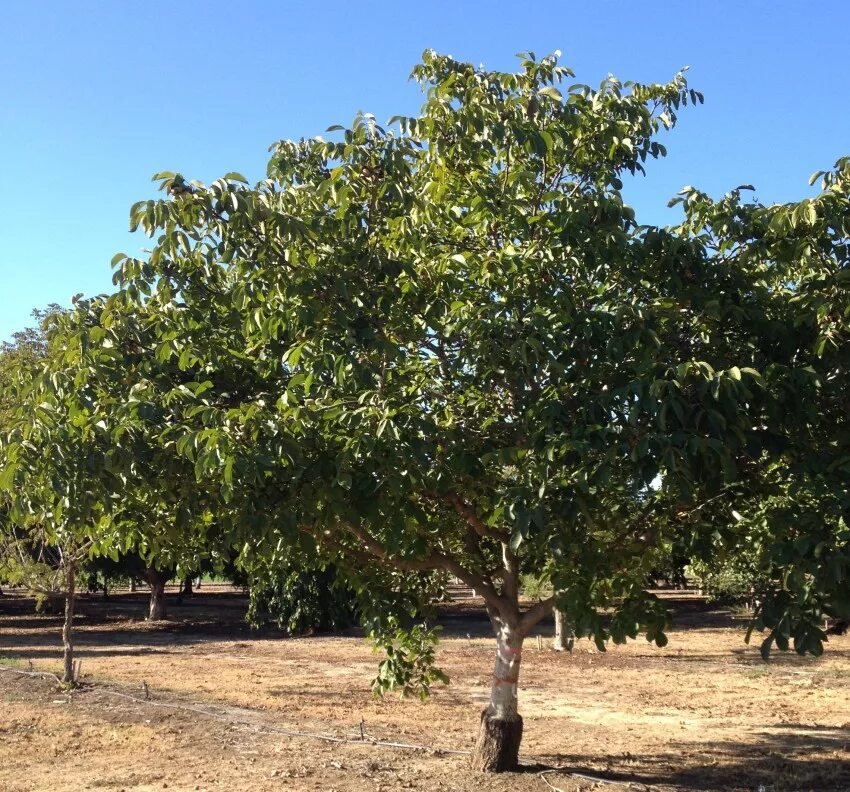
point(133, 565)
point(158, 526)
point(48, 511)
point(24, 350)
point(791, 266)
point(48, 566)
point(73, 490)
point(452, 347)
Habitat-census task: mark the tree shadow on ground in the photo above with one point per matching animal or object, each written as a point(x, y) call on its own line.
point(118, 625)
point(150, 638)
point(781, 758)
point(19, 611)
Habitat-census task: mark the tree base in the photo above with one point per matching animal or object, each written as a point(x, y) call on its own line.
point(497, 746)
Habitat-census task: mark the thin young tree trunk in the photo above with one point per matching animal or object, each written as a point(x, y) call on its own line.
point(68, 625)
point(500, 734)
point(564, 635)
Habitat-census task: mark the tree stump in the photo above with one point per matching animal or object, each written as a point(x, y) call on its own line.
point(497, 746)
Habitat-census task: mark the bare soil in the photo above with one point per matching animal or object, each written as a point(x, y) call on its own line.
point(222, 701)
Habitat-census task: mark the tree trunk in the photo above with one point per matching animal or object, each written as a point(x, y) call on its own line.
point(157, 605)
point(156, 580)
point(564, 634)
point(132, 585)
point(68, 625)
point(187, 586)
point(497, 746)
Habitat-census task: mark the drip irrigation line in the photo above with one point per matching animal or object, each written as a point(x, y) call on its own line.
point(39, 674)
point(200, 708)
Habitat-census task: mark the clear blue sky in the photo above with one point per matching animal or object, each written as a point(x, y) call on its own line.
point(97, 96)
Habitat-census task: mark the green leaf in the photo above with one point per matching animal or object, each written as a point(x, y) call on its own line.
point(7, 477)
point(228, 470)
point(551, 92)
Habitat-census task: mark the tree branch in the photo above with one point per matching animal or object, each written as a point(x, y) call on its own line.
point(440, 561)
point(466, 511)
point(510, 577)
point(535, 614)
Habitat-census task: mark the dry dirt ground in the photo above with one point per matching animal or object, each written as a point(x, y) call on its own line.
point(705, 713)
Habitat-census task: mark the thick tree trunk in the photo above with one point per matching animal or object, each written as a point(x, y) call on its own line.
point(564, 635)
point(157, 604)
point(132, 585)
point(156, 580)
point(187, 586)
point(68, 625)
point(497, 746)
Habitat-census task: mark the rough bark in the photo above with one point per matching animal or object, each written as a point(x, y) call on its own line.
point(500, 733)
point(68, 625)
point(497, 746)
point(564, 635)
point(157, 580)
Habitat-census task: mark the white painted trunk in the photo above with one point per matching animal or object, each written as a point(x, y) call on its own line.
point(503, 690)
point(500, 734)
point(564, 634)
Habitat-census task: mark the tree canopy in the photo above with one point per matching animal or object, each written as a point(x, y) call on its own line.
point(450, 345)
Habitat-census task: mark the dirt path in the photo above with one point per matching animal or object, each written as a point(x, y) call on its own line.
point(703, 714)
